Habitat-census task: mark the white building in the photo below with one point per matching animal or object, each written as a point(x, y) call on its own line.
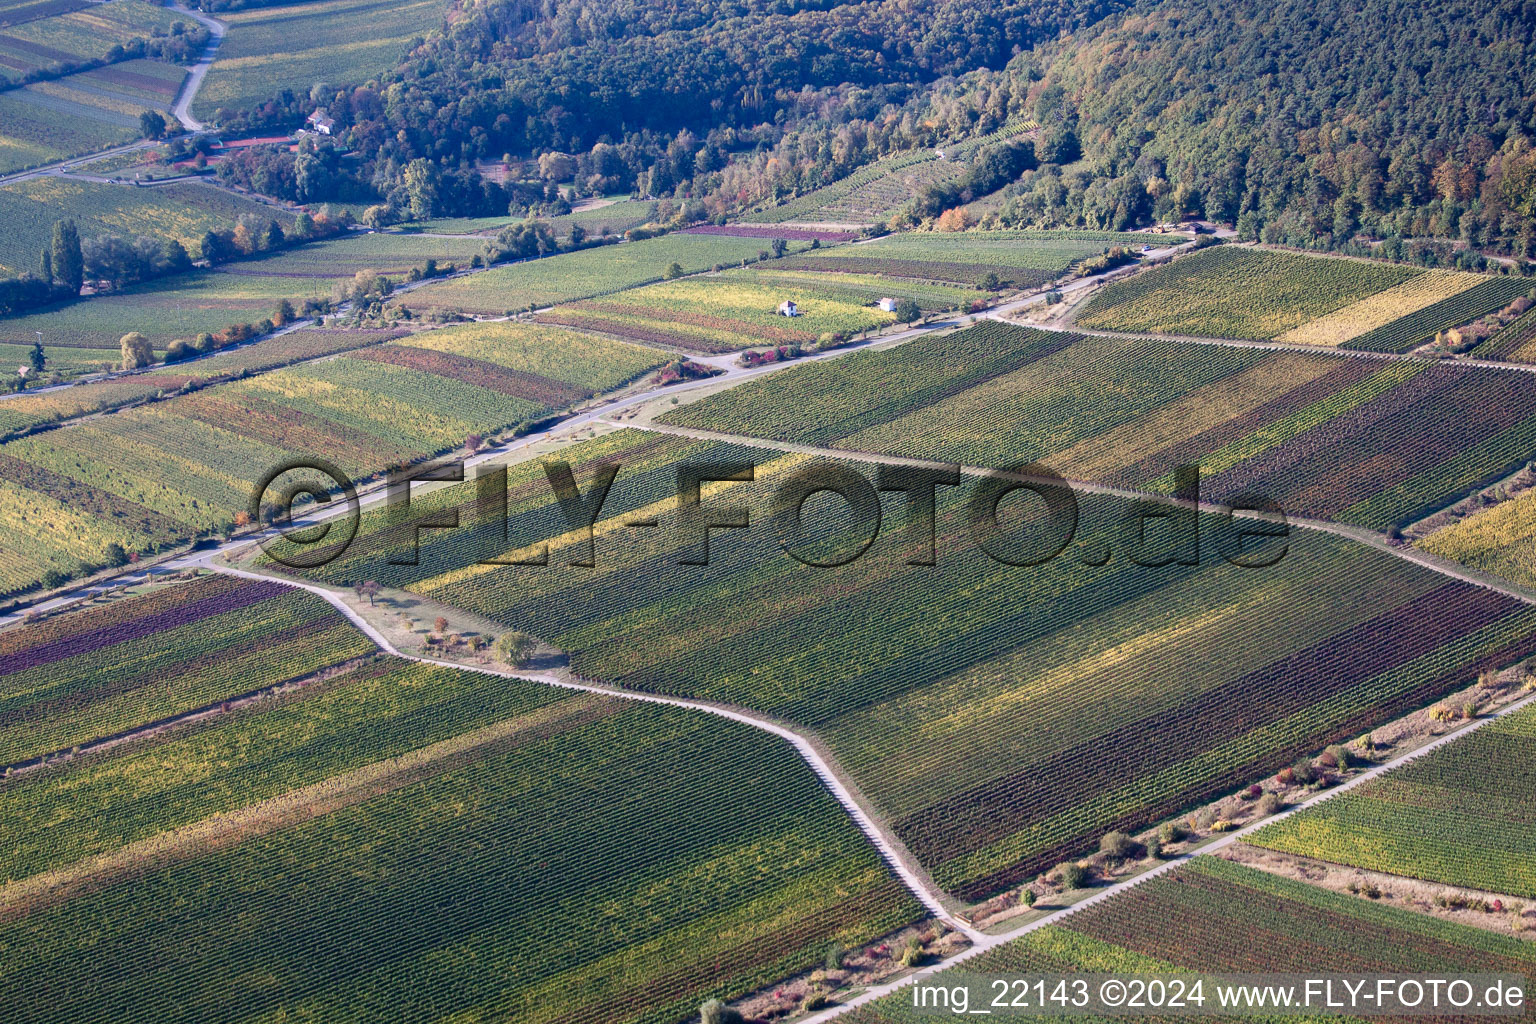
point(887, 305)
point(788, 308)
point(321, 123)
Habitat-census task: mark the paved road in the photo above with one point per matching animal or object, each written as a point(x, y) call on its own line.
point(182, 109)
point(993, 941)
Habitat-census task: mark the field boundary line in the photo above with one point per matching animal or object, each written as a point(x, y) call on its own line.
point(989, 942)
point(1357, 534)
point(890, 848)
point(1281, 346)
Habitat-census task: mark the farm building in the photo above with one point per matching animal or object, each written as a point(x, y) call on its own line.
point(788, 308)
point(887, 305)
point(321, 123)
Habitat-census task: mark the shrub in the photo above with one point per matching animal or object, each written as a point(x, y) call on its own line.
point(515, 647)
point(1302, 772)
point(1253, 792)
point(1071, 875)
point(1117, 845)
point(1171, 832)
point(1155, 849)
point(716, 1012)
point(136, 350)
point(1270, 803)
point(913, 954)
point(1028, 898)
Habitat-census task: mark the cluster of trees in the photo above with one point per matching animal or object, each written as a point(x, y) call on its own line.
point(182, 44)
point(123, 260)
point(62, 273)
point(993, 168)
point(67, 262)
point(502, 76)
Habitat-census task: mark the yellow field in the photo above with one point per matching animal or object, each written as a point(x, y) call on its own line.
point(1374, 311)
point(1500, 540)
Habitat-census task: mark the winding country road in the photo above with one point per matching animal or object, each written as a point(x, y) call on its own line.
point(182, 109)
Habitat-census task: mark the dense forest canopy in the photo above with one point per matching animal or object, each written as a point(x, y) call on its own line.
point(1305, 121)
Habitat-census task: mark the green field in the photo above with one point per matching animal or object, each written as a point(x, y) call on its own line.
point(1464, 815)
point(337, 42)
point(23, 412)
point(723, 312)
point(165, 472)
point(584, 274)
point(1023, 259)
point(182, 210)
point(1236, 292)
point(1326, 436)
point(80, 35)
point(435, 811)
point(95, 673)
point(999, 717)
point(390, 254)
point(1215, 917)
point(81, 113)
point(85, 334)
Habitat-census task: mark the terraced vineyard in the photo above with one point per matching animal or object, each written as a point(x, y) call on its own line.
point(870, 194)
point(26, 412)
point(165, 472)
point(1356, 440)
point(1023, 259)
point(1212, 916)
point(1464, 815)
point(293, 46)
point(1044, 717)
point(106, 670)
point(81, 113)
point(585, 273)
point(1237, 292)
point(720, 313)
point(1420, 327)
point(874, 192)
point(432, 810)
point(183, 211)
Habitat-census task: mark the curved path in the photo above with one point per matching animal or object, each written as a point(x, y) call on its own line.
point(1358, 534)
point(182, 109)
point(891, 849)
point(1109, 892)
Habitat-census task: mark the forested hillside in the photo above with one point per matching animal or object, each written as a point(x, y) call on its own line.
point(1303, 122)
point(1395, 119)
